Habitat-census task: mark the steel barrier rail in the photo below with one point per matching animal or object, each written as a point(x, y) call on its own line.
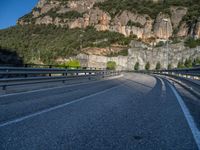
point(189, 75)
point(10, 76)
point(189, 71)
point(47, 66)
point(188, 78)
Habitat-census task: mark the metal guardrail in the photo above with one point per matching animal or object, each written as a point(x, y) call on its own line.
point(189, 77)
point(10, 76)
point(194, 72)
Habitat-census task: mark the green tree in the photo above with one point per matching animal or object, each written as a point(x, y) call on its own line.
point(158, 66)
point(188, 63)
point(198, 61)
point(147, 66)
point(111, 65)
point(180, 64)
point(137, 66)
point(73, 64)
point(169, 66)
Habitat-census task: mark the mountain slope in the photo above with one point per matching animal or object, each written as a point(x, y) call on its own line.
point(57, 29)
point(48, 43)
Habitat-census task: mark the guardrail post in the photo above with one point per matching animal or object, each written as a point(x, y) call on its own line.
point(102, 74)
point(50, 66)
point(89, 76)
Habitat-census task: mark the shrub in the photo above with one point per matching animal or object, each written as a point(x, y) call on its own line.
point(192, 43)
point(180, 64)
point(111, 65)
point(136, 24)
point(73, 64)
point(147, 66)
point(137, 66)
point(188, 63)
point(160, 44)
point(158, 66)
point(196, 61)
point(169, 66)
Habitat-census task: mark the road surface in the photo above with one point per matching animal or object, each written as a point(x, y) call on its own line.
point(134, 112)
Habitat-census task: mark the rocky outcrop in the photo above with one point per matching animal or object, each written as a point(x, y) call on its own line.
point(177, 13)
point(183, 30)
point(44, 6)
point(120, 24)
point(81, 5)
point(95, 17)
point(163, 27)
point(197, 30)
point(44, 20)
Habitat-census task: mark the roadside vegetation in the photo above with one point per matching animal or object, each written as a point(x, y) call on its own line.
point(72, 64)
point(137, 66)
point(189, 63)
point(147, 66)
point(111, 65)
point(158, 66)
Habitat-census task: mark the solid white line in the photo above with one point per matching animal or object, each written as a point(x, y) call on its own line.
point(163, 87)
point(58, 87)
point(188, 116)
point(55, 107)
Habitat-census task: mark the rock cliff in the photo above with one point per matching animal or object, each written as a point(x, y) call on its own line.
point(142, 53)
point(86, 13)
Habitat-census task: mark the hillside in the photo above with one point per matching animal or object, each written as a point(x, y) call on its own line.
point(47, 43)
point(58, 29)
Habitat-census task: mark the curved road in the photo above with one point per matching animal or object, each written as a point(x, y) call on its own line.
point(132, 112)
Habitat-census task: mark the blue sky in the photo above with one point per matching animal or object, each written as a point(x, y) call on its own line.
point(11, 10)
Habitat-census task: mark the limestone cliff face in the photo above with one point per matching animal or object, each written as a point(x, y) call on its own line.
point(183, 30)
point(126, 22)
point(120, 24)
point(95, 17)
point(142, 53)
point(177, 13)
point(197, 30)
point(163, 26)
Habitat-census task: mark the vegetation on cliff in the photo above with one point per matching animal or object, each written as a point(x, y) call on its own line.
point(192, 43)
point(151, 8)
point(47, 43)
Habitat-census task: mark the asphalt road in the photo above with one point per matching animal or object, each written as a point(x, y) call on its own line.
point(132, 112)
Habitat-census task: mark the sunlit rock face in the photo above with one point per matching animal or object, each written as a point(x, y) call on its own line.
point(163, 26)
point(142, 53)
point(127, 23)
point(197, 30)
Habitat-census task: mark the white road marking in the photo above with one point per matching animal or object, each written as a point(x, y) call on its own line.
point(188, 116)
point(58, 87)
point(163, 88)
point(55, 107)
